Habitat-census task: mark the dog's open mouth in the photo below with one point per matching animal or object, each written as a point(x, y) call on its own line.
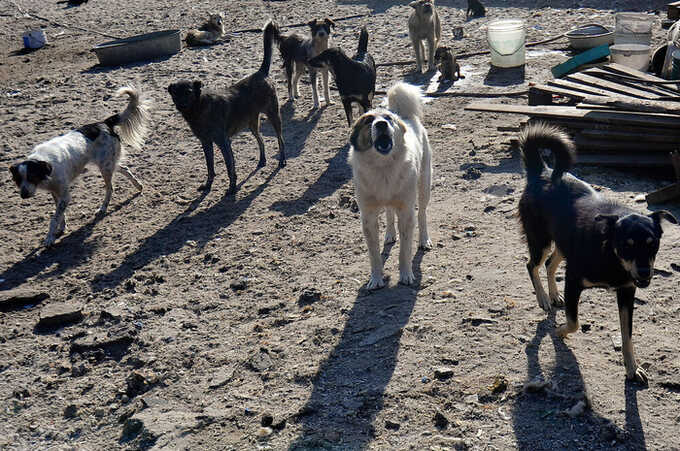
point(383, 144)
point(642, 283)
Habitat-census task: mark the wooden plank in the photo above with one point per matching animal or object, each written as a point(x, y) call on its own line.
point(674, 10)
point(607, 75)
point(628, 104)
point(611, 86)
point(649, 139)
point(664, 194)
point(576, 125)
point(550, 91)
point(625, 70)
point(622, 160)
point(607, 144)
point(565, 84)
point(620, 118)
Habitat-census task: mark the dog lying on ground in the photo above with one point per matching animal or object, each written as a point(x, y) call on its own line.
point(392, 169)
point(606, 245)
point(355, 77)
point(54, 165)
point(475, 9)
point(208, 33)
point(296, 51)
point(447, 64)
point(423, 24)
point(216, 118)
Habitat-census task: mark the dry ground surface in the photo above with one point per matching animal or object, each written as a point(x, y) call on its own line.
point(206, 316)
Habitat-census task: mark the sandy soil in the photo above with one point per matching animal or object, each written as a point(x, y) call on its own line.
point(205, 317)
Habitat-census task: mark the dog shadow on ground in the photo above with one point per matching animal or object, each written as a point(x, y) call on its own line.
point(539, 418)
point(376, 6)
point(349, 386)
point(337, 173)
point(295, 130)
point(70, 251)
point(505, 76)
point(199, 227)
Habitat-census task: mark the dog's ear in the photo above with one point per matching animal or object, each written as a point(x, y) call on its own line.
point(329, 22)
point(360, 138)
point(197, 87)
point(44, 169)
point(661, 215)
point(608, 223)
point(14, 170)
point(312, 23)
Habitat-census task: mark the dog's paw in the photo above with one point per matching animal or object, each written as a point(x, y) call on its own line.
point(205, 187)
point(425, 244)
point(407, 278)
point(639, 376)
point(390, 237)
point(375, 282)
point(282, 162)
point(49, 241)
point(544, 302)
point(557, 300)
point(563, 331)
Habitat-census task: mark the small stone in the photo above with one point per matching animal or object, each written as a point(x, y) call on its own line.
point(472, 399)
point(131, 428)
point(70, 411)
point(12, 300)
point(309, 296)
point(500, 384)
point(425, 380)
point(443, 373)
point(392, 425)
point(440, 421)
point(99, 412)
point(616, 341)
point(585, 328)
point(124, 399)
point(455, 237)
point(239, 285)
point(266, 420)
point(54, 316)
point(63, 367)
point(264, 432)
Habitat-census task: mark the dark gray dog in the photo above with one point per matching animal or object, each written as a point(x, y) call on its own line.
point(216, 118)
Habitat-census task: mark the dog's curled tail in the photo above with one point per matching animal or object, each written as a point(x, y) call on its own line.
point(540, 135)
point(363, 42)
point(133, 122)
point(405, 100)
point(271, 32)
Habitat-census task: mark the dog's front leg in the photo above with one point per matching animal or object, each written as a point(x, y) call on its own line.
point(315, 93)
point(326, 89)
point(625, 297)
point(228, 155)
point(572, 293)
point(417, 48)
point(407, 221)
point(58, 223)
point(207, 145)
point(369, 224)
point(431, 48)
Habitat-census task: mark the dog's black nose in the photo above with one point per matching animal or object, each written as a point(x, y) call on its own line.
point(381, 126)
point(644, 273)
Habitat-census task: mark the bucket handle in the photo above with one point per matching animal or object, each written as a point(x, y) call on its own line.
point(506, 54)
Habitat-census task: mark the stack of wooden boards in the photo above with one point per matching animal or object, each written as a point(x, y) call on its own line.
point(618, 116)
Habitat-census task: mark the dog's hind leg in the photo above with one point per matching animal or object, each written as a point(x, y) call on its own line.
point(315, 92)
point(289, 67)
point(369, 224)
point(326, 89)
point(228, 155)
point(127, 173)
point(424, 186)
point(299, 70)
point(572, 293)
point(207, 146)
point(61, 227)
point(390, 231)
point(625, 298)
point(254, 125)
point(538, 253)
point(274, 116)
point(107, 175)
point(551, 266)
point(58, 223)
point(347, 105)
point(407, 222)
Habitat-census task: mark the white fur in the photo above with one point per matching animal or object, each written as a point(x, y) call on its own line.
point(68, 155)
point(396, 181)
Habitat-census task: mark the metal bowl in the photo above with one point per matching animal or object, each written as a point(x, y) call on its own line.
point(138, 48)
point(589, 36)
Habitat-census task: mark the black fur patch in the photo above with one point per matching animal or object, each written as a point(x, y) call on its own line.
point(37, 171)
point(90, 131)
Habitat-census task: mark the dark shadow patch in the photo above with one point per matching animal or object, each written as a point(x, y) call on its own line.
point(505, 76)
point(99, 69)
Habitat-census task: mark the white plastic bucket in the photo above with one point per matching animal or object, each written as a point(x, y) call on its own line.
point(633, 28)
point(34, 39)
point(506, 42)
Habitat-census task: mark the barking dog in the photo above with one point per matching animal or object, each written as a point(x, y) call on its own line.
point(605, 244)
point(215, 118)
point(208, 33)
point(423, 24)
point(296, 51)
point(447, 64)
point(355, 77)
point(54, 164)
point(392, 169)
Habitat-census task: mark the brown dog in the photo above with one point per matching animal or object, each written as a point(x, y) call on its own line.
point(424, 25)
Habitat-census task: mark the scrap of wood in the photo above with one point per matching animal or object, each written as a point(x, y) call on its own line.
point(627, 160)
point(640, 147)
point(637, 83)
point(670, 192)
point(631, 135)
point(611, 86)
point(629, 104)
point(674, 10)
point(579, 87)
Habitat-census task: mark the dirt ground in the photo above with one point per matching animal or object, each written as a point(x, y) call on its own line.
point(213, 322)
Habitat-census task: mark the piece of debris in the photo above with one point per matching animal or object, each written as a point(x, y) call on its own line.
point(392, 425)
point(478, 321)
point(443, 373)
point(616, 341)
point(71, 411)
point(17, 299)
point(578, 409)
point(500, 384)
point(309, 296)
point(57, 315)
point(535, 386)
point(440, 421)
point(239, 285)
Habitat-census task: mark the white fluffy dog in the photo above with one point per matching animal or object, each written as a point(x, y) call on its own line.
point(392, 166)
point(54, 164)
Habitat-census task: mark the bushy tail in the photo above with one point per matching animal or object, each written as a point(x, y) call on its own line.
point(271, 32)
point(363, 42)
point(133, 122)
point(405, 100)
point(540, 135)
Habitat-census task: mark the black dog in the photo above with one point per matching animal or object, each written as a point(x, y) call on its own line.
point(475, 9)
point(215, 118)
point(606, 245)
point(354, 76)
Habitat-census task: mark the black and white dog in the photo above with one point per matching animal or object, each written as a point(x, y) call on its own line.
point(354, 76)
point(55, 164)
point(605, 244)
point(296, 51)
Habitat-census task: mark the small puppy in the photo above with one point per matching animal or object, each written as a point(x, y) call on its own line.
point(296, 51)
point(447, 64)
point(55, 164)
point(606, 245)
point(354, 76)
point(475, 9)
point(423, 24)
point(392, 170)
point(216, 118)
point(208, 33)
